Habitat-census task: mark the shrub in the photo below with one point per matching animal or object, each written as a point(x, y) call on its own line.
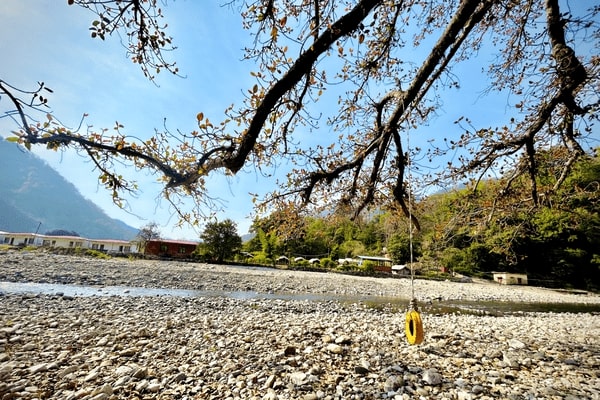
point(348, 266)
point(261, 259)
point(328, 263)
point(97, 254)
point(29, 248)
point(302, 263)
point(455, 260)
point(368, 266)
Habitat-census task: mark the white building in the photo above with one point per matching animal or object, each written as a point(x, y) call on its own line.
point(111, 246)
point(508, 278)
point(400, 270)
point(21, 239)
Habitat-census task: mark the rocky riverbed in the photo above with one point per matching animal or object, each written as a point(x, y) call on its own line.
point(218, 347)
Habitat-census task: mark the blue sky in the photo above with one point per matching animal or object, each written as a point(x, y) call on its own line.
point(47, 40)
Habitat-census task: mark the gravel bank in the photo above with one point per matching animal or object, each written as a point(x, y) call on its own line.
point(49, 268)
point(109, 347)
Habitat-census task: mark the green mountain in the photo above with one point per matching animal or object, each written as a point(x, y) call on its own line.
point(31, 192)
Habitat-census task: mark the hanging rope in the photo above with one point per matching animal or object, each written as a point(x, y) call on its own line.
point(410, 230)
point(414, 324)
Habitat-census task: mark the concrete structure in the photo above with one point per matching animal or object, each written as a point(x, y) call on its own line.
point(509, 278)
point(22, 239)
point(400, 270)
point(67, 242)
point(111, 246)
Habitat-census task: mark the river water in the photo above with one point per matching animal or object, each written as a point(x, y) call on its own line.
point(375, 302)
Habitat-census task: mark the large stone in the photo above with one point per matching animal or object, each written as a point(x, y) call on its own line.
point(516, 344)
point(432, 377)
point(393, 383)
point(153, 387)
point(298, 378)
point(335, 348)
point(123, 370)
point(38, 368)
point(92, 375)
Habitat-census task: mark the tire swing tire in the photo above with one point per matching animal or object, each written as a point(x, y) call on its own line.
point(414, 327)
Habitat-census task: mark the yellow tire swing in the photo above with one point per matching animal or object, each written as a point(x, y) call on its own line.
point(414, 324)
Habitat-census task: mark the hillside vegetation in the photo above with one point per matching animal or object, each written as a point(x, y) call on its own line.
point(470, 231)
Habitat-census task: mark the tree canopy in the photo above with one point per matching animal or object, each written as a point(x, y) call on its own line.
point(148, 232)
point(220, 240)
point(544, 60)
point(466, 231)
point(62, 232)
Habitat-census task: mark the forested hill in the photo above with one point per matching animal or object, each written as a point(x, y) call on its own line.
point(31, 192)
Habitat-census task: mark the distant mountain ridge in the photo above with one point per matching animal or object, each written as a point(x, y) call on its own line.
point(32, 192)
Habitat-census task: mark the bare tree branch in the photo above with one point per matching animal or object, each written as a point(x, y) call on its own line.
point(358, 46)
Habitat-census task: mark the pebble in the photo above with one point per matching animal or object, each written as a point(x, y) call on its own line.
point(44, 267)
point(112, 347)
point(432, 377)
point(335, 348)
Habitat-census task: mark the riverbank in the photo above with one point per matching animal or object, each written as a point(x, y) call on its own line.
point(110, 347)
point(61, 269)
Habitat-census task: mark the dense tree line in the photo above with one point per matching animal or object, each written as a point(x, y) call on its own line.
point(470, 230)
point(62, 232)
